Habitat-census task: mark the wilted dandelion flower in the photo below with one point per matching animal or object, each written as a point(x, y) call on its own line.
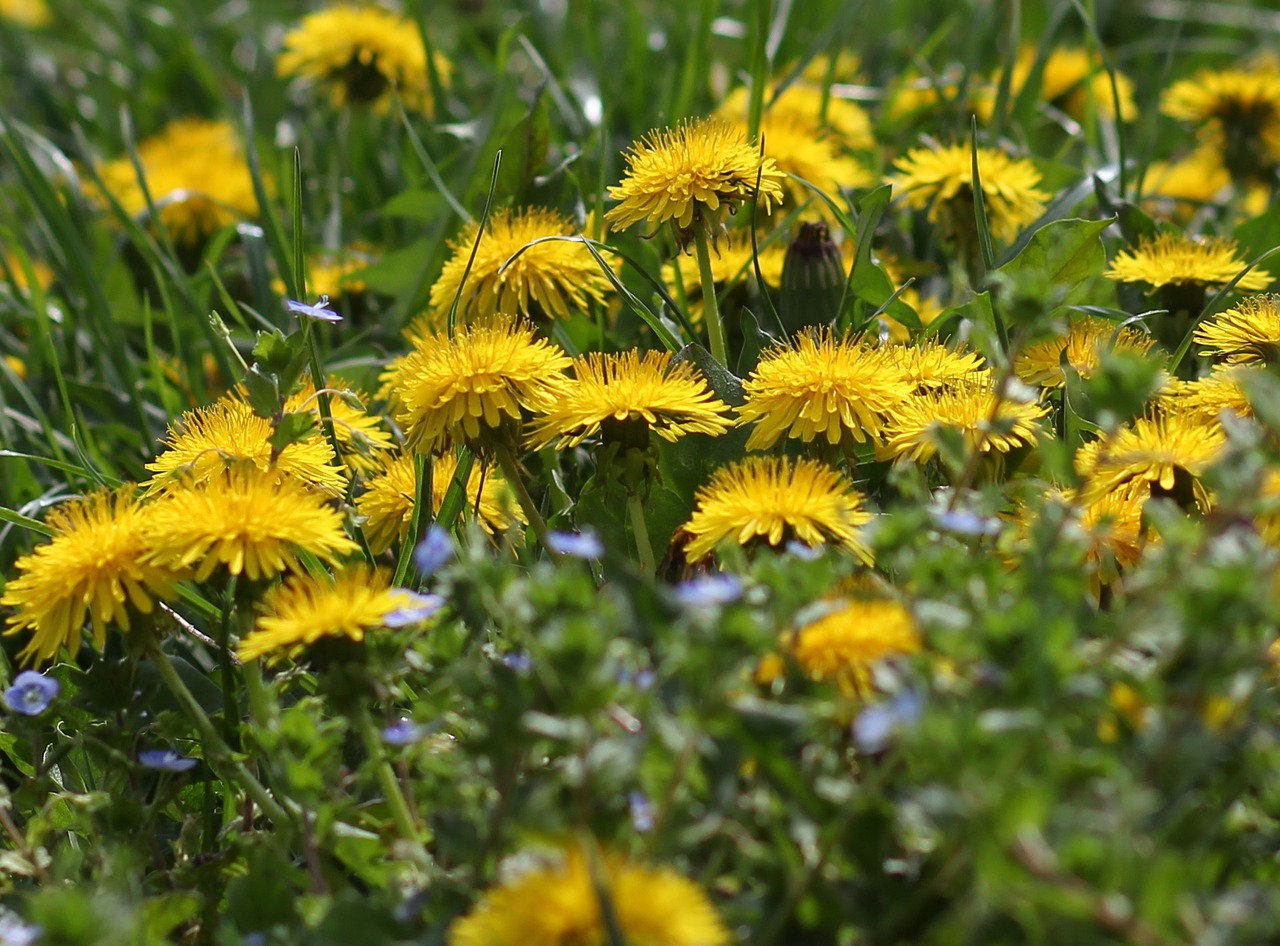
point(1207, 397)
point(254, 522)
point(559, 904)
point(845, 644)
point(362, 437)
point(95, 563)
point(363, 55)
point(1082, 348)
point(1169, 452)
point(305, 608)
point(390, 493)
point(986, 423)
point(1248, 333)
point(624, 398)
point(210, 439)
point(940, 180)
point(1240, 111)
point(551, 278)
point(196, 174)
point(462, 390)
point(837, 390)
point(776, 500)
point(693, 175)
point(1176, 259)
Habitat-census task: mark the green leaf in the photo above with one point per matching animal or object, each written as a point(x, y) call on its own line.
point(1065, 252)
point(291, 428)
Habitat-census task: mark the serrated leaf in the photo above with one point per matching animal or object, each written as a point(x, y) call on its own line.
point(292, 428)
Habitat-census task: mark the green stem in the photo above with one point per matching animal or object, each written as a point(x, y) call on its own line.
point(710, 307)
point(259, 702)
point(396, 801)
point(644, 548)
point(511, 470)
point(216, 752)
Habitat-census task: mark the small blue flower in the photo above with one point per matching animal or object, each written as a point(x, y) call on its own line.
point(14, 931)
point(964, 522)
point(434, 550)
point(404, 733)
point(803, 551)
point(319, 311)
point(641, 811)
point(709, 591)
point(519, 661)
point(31, 693)
point(876, 725)
point(584, 544)
point(414, 608)
point(165, 760)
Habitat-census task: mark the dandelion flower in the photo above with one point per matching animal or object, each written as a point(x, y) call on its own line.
point(390, 493)
point(940, 180)
point(930, 365)
point(1082, 348)
point(363, 55)
point(1175, 259)
point(1248, 334)
point(334, 274)
point(1187, 184)
point(847, 123)
point(1115, 535)
point(306, 608)
point(210, 439)
point(985, 422)
point(807, 154)
point(197, 177)
point(732, 263)
point(552, 278)
point(95, 563)
point(361, 436)
point(1239, 109)
point(839, 391)
point(1072, 78)
point(29, 13)
point(1207, 397)
point(774, 499)
point(693, 176)
point(460, 390)
point(559, 904)
point(847, 643)
point(252, 521)
point(623, 398)
point(1167, 452)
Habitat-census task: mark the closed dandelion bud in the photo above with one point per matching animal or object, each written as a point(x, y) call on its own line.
point(813, 280)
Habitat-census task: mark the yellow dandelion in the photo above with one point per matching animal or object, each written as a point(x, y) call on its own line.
point(1072, 78)
point(929, 365)
point(1174, 259)
point(334, 274)
point(985, 423)
point(805, 153)
point(460, 390)
point(391, 492)
point(210, 439)
point(844, 67)
point(1267, 519)
point(845, 645)
point(509, 275)
point(362, 437)
point(1239, 110)
point(95, 563)
point(1188, 183)
point(774, 499)
point(196, 174)
point(940, 180)
point(1247, 334)
point(1207, 397)
point(29, 13)
point(559, 904)
point(693, 176)
point(1115, 535)
point(363, 55)
point(1169, 453)
point(846, 123)
point(11, 265)
point(623, 398)
point(732, 263)
point(1082, 348)
point(837, 390)
point(306, 608)
point(254, 522)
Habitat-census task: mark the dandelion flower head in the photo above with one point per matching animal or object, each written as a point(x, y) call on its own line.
point(95, 563)
point(775, 499)
point(1082, 348)
point(29, 13)
point(363, 55)
point(1222, 389)
point(625, 397)
point(253, 522)
point(693, 175)
point(196, 175)
point(1239, 108)
point(361, 436)
point(1176, 259)
point(1168, 452)
point(846, 122)
point(847, 643)
point(1072, 77)
point(804, 152)
point(986, 423)
point(1247, 334)
point(460, 390)
point(509, 275)
point(733, 262)
point(928, 365)
point(559, 905)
